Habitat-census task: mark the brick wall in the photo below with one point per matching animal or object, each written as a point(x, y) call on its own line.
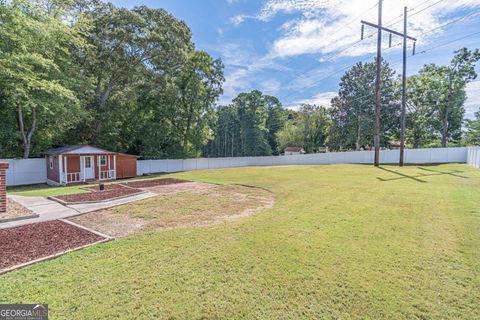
point(3, 186)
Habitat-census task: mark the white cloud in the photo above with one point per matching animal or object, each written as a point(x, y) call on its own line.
point(320, 99)
point(472, 104)
point(238, 19)
point(241, 66)
point(328, 26)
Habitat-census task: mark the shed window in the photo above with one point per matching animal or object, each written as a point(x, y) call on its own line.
point(50, 163)
point(103, 160)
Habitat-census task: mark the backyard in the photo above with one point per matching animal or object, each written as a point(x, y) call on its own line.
point(341, 241)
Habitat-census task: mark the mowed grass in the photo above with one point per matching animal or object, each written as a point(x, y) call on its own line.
point(44, 190)
point(341, 242)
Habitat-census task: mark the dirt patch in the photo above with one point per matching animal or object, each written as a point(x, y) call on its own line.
point(30, 242)
point(193, 208)
point(16, 211)
point(153, 182)
point(90, 197)
point(177, 188)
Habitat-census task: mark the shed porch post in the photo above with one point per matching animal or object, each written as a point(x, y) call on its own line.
point(66, 170)
point(60, 169)
point(114, 167)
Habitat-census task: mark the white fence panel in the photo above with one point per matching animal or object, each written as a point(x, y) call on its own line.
point(202, 164)
point(143, 167)
point(215, 163)
point(389, 156)
point(417, 155)
point(190, 164)
point(457, 154)
point(32, 171)
point(174, 165)
point(473, 156)
point(158, 166)
point(26, 171)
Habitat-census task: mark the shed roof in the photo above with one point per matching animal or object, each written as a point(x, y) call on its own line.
point(81, 149)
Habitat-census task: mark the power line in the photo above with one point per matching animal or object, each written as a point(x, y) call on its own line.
point(449, 42)
point(353, 44)
point(395, 61)
point(333, 54)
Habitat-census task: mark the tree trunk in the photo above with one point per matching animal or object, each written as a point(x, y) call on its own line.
point(447, 111)
point(445, 130)
point(26, 136)
point(101, 99)
point(357, 141)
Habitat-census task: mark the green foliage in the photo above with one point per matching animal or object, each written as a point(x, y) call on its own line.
point(353, 111)
point(130, 80)
point(308, 128)
point(437, 95)
point(248, 127)
point(37, 72)
point(472, 137)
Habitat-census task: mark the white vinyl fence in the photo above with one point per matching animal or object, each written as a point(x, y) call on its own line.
point(26, 171)
point(473, 156)
point(438, 155)
point(31, 171)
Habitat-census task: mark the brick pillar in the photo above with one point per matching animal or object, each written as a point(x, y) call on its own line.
point(3, 186)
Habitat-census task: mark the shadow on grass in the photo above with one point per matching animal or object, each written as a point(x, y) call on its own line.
point(451, 173)
point(402, 176)
point(421, 175)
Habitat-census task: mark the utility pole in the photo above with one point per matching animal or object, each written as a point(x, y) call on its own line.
point(378, 82)
point(378, 87)
point(404, 90)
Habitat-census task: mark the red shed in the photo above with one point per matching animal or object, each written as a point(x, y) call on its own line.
point(84, 163)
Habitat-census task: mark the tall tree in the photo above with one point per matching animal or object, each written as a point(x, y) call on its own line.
point(37, 72)
point(443, 89)
point(128, 43)
point(178, 106)
point(353, 109)
point(421, 107)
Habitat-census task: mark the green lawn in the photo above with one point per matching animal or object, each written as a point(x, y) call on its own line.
point(342, 242)
point(44, 190)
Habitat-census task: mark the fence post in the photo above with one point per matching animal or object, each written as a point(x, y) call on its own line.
point(3, 186)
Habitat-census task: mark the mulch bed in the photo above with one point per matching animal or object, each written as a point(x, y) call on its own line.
point(154, 183)
point(107, 187)
point(15, 211)
point(34, 241)
point(89, 197)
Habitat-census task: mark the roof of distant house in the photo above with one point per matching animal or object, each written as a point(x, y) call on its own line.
point(293, 149)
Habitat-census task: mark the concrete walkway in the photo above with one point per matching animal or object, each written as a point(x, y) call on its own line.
point(51, 210)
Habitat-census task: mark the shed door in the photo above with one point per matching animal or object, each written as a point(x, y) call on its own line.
point(88, 168)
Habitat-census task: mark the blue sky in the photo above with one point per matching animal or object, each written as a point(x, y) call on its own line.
point(296, 49)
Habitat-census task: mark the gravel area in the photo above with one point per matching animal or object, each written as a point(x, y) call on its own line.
point(97, 196)
point(15, 210)
point(154, 182)
point(26, 243)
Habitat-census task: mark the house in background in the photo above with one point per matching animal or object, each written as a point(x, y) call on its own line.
point(290, 151)
point(84, 163)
